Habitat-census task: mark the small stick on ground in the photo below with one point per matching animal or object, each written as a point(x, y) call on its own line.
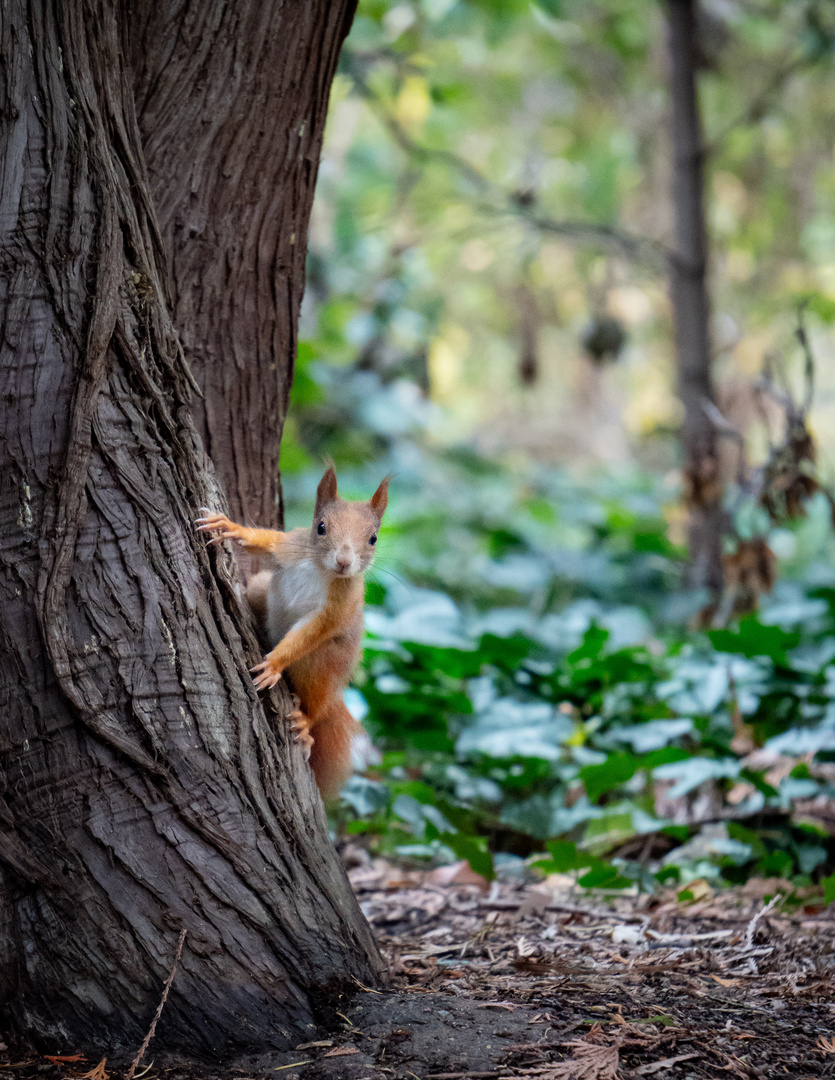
point(752, 925)
point(158, 1013)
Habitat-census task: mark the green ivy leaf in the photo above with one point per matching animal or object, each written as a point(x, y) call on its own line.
point(754, 638)
point(565, 857)
point(474, 849)
point(604, 876)
point(610, 774)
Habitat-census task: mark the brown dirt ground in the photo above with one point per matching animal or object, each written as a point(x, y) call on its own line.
point(526, 979)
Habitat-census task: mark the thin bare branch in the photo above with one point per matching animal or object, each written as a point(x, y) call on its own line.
point(165, 990)
point(503, 201)
point(756, 109)
point(809, 359)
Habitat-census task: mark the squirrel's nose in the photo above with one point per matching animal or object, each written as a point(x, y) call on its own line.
point(343, 561)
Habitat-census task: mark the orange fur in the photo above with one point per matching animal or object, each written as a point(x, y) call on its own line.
point(311, 606)
point(330, 757)
point(266, 541)
point(344, 601)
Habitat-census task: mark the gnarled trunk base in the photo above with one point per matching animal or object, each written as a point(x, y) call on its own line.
point(145, 789)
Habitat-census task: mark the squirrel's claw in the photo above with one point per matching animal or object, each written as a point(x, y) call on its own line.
point(300, 726)
point(219, 524)
point(212, 521)
point(267, 674)
point(210, 517)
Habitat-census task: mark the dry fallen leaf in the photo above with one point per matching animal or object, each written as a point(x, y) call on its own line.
point(590, 1062)
point(459, 873)
point(727, 982)
point(96, 1074)
point(56, 1058)
point(699, 890)
point(524, 948)
point(535, 902)
point(341, 1051)
point(826, 1046)
point(627, 935)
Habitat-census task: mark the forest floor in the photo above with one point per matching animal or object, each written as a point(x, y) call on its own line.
point(532, 979)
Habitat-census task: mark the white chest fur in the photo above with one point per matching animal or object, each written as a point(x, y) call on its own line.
point(296, 591)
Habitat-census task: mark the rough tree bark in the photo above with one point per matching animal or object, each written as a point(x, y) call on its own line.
point(232, 123)
point(144, 788)
point(691, 306)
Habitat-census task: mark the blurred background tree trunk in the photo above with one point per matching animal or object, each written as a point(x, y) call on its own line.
point(231, 101)
point(702, 480)
point(146, 790)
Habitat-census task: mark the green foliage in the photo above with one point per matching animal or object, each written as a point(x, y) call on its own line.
point(531, 679)
point(532, 683)
point(751, 638)
point(596, 873)
point(528, 708)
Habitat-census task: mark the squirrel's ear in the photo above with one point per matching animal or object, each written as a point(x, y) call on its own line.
point(380, 499)
point(326, 491)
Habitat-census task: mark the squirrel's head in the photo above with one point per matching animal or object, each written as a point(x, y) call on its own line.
point(345, 533)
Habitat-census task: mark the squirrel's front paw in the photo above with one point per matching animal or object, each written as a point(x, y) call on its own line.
point(267, 674)
point(219, 524)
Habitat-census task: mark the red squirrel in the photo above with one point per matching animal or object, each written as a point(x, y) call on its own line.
point(311, 605)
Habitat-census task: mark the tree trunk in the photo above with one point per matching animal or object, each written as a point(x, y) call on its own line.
point(231, 102)
point(691, 307)
point(144, 788)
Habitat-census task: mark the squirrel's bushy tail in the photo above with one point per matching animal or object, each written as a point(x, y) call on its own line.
point(330, 757)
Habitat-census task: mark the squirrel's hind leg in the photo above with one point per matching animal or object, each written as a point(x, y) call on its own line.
point(300, 726)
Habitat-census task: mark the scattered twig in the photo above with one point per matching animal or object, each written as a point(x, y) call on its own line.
point(462, 1075)
point(687, 939)
point(752, 925)
point(664, 1063)
point(158, 1013)
point(589, 910)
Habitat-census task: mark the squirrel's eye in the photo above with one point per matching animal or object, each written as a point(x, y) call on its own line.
point(373, 540)
point(321, 529)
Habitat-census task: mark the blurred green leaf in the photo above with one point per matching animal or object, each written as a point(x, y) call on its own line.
point(753, 638)
point(611, 774)
point(604, 877)
point(531, 639)
point(474, 850)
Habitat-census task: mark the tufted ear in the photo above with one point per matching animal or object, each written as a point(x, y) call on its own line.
point(326, 491)
point(380, 499)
